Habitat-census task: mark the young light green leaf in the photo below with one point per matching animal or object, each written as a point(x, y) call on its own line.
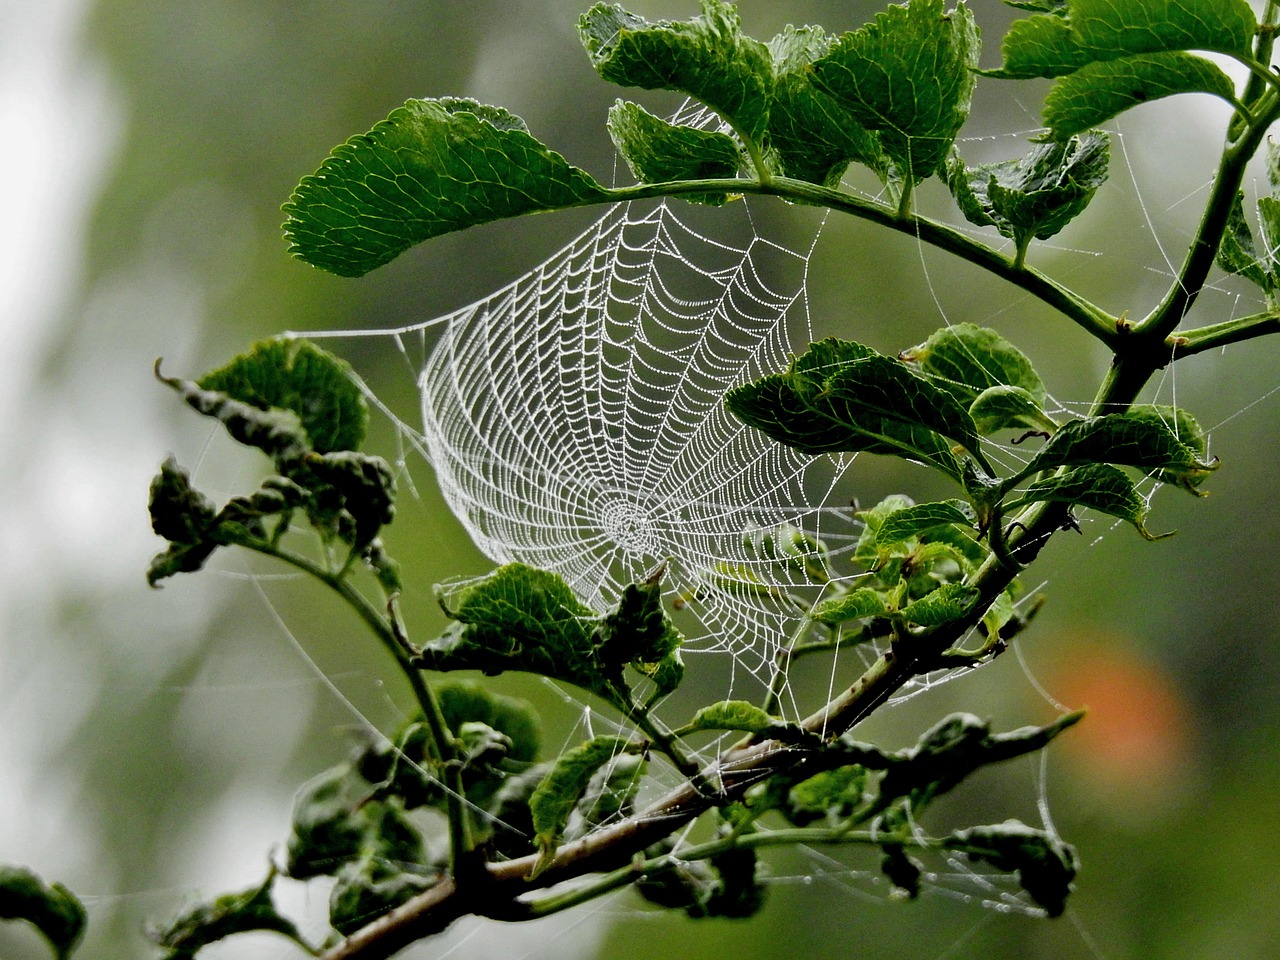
point(966, 359)
point(1045, 865)
point(1001, 407)
point(51, 908)
point(813, 136)
point(908, 75)
point(292, 374)
point(843, 396)
point(431, 167)
point(1158, 440)
point(1095, 486)
point(1036, 195)
point(657, 151)
point(1099, 91)
point(951, 601)
point(245, 912)
point(912, 521)
point(732, 715)
point(562, 788)
point(856, 605)
point(708, 58)
point(831, 794)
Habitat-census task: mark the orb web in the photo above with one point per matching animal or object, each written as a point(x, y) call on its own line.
point(576, 422)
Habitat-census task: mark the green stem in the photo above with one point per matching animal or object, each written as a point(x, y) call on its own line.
point(440, 745)
point(1217, 335)
point(1093, 319)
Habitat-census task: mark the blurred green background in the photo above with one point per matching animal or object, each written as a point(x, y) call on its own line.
point(150, 742)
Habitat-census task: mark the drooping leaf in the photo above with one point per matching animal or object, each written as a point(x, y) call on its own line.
point(1159, 440)
point(732, 715)
point(1036, 195)
point(292, 374)
point(276, 432)
point(1046, 866)
point(51, 908)
point(951, 601)
point(1099, 91)
point(639, 633)
point(561, 789)
point(901, 869)
point(855, 605)
point(609, 794)
point(371, 886)
point(1001, 407)
point(909, 76)
point(813, 136)
point(468, 701)
point(966, 359)
point(431, 167)
point(831, 794)
point(1237, 253)
point(658, 151)
point(841, 396)
point(708, 58)
point(245, 912)
point(1095, 486)
point(911, 521)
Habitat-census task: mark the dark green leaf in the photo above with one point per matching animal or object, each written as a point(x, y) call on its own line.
point(912, 521)
point(466, 701)
point(902, 871)
point(844, 397)
point(831, 794)
point(657, 151)
point(277, 433)
point(951, 601)
point(1237, 253)
point(639, 633)
point(51, 908)
point(1036, 195)
point(348, 488)
point(814, 137)
point(855, 605)
point(1094, 94)
point(295, 375)
point(559, 792)
point(1160, 440)
point(966, 359)
point(707, 57)
point(244, 912)
point(1096, 486)
point(431, 167)
point(369, 887)
point(1045, 865)
point(1042, 46)
point(1040, 6)
point(909, 75)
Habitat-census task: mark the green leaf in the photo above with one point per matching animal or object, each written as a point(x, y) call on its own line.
point(1097, 92)
point(707, 57)
point(1237, 253)
point(431, 167)
point(831, 794)
point(909, 75)
point(51, 908)
point(640, 634)
point(369, 887)
point(608, 795)
point(657, 151)
point(902, 870)
point(1096, 486)
point(902, 525)
point(1099, 30)
point(813, 136)
point(245, 912)
point(1036, 195)
point(292, 374)
point(559, 792)
point(1001, 407)
point(844, 397)
point(856, 605)
point(1159, 440)
point(965, 359)
point(276, 432)
point(732, 715)
point(1045, 865)
point(951, 601)
point(468, 701)
point(866, 551)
